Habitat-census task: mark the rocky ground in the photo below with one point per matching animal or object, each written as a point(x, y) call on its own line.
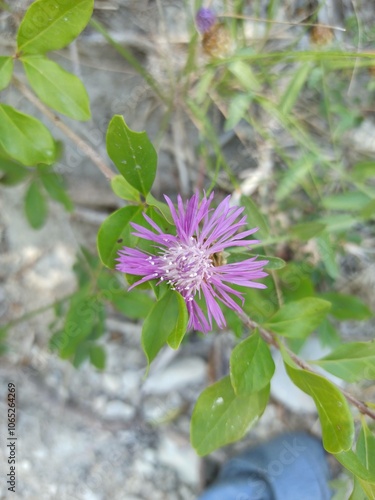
point(90, 435)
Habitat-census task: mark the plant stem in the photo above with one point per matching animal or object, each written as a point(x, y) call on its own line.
point(271, 340)
point(33, 313)
point(83, 145)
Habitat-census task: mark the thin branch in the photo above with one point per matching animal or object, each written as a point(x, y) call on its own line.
point(289, 23)
point(83, 145)
point(271, 340)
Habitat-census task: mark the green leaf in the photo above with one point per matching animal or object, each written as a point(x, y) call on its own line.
point(351, 201)
point(114, 233)
point(357, 493)
point(52, 24)
point(351, 461)
point(12, 173)
point(85, 314)
point(221, 417)
point(163, 208)
point(167, 321)
point(3, 340)
point(175, 338)
point(132, 153)
point(203, 84)
point(35, 205)
point(6, 70)
point(365, 448)
point(54, 186)
point(294, 176)
point(251, 365)
point(238, 106)
point(296, 281)
point(97, 356)
point(368, 211)
point(245, 76)
point(291, 94)
point(82, 353)
point(123, 189)
point(328, 255)
point(59, 89)
point(273, 262)
point(347, 307)
point(307, 230)
point(328, 335)
point(333, 409)
point(300, 318)
point(133, 304)
point(363, 170)
point(254, 217)
point(24, 138)
point(352, 362)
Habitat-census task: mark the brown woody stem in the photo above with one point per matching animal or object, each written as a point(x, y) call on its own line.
point(272, 340)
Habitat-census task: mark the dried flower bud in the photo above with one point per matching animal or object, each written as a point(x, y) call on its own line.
point(205, 19)
point(217, 41)
point(321, 35)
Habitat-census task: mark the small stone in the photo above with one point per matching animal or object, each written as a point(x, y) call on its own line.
point(118, 410)
point(181, 457)
point(182, 373)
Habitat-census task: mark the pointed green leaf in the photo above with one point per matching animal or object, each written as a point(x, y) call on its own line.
point(122, 189)
point(300, 318)
point(54, 186)
point(97, 356)
point(24, 138)
point(293, 91)
point(175, 338)
point(365, 448)
point(85, 315)
point(221, 417)
point(161, 207)
point(82, 353)
point(59, 89)
point(132, 153)
point(255, 218)
point(357, 493)
point(273, 262)
point(352, 362)
point(251, 365)
point(114, 233)
point(245, 76)
point(35, 206)
point(328, 255)
point(238, 106)
point(333, 409)
point(363, 170)
point(351, 461)
point(52, 24)
point(12, 173)
point(347, 307)
point(350, 201)
point(133, 304)
point(167, 320)
point(306, 230)
point(294, 176)
point(6, 71)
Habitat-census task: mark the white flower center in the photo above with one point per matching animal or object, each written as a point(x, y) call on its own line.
point(185, 267)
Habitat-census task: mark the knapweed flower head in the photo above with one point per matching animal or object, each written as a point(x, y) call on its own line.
point(205, 18)
point(191, 261)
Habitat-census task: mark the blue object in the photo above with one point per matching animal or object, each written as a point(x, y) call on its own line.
point(290, 467)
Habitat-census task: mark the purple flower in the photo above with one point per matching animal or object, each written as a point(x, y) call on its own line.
point(205, 19)
point(191, 261)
